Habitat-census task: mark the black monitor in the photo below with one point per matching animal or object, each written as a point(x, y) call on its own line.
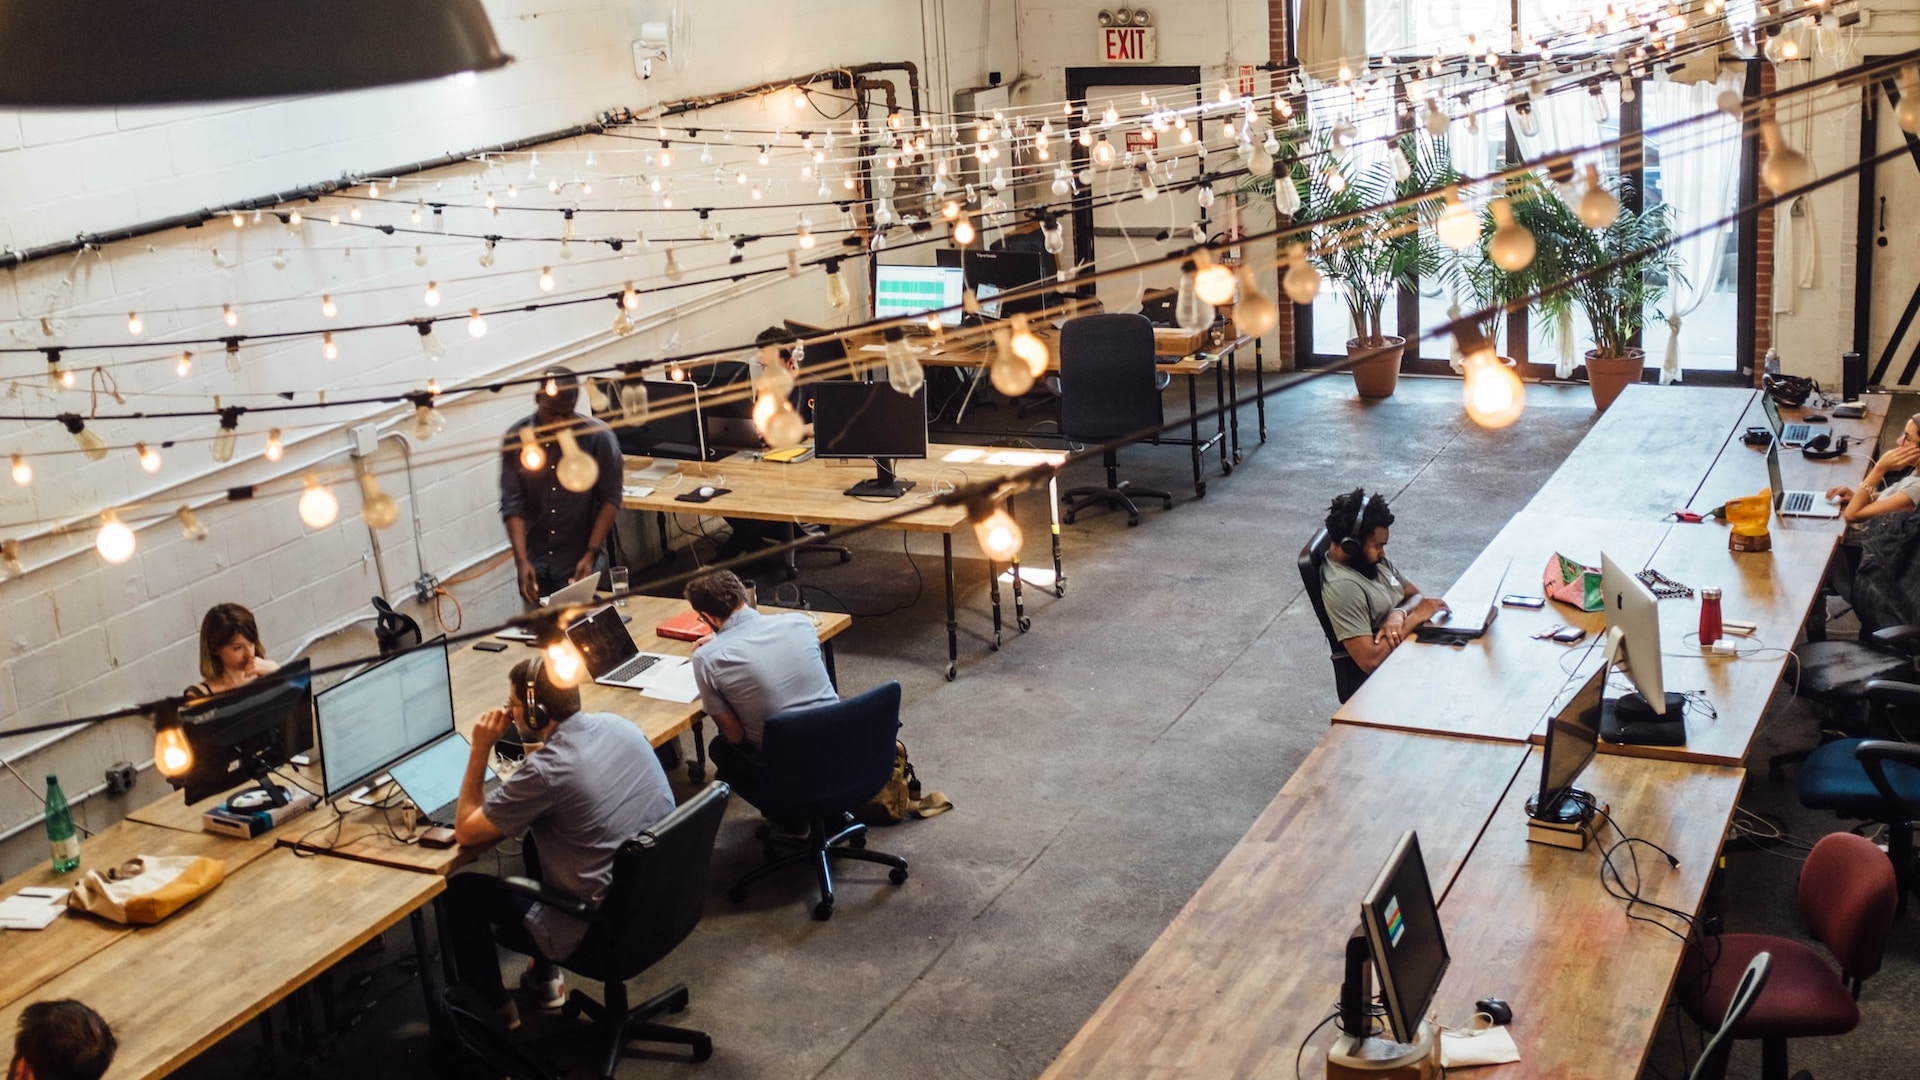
point(861, 419)
point(1571, 737)
point(672, 428)
point(1003, 271)
point(1400, 937)
point(247, 733)
point(822, 347)
point(382, 714)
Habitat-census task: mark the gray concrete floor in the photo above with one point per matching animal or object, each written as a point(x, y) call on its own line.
point(1101, 765)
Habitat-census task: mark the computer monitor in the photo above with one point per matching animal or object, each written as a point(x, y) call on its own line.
point(861, 419)
point(1006, 270)
point(1571, 737)
point(672, 429)
point(1400, 938)
point(822, 347)
point(1651, 716)
point(911, 290)
point(382, 714)
point(245, 734)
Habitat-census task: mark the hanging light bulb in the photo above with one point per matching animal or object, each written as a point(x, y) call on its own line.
point(116, 541)
point(58, 378)
point(427, 422)
point(1512, 245)
point(1458, 227)
point(1010, 374)
point(564, 664)
point(1301, 282)
point(1212, 282)
point(630, 298)
point(1103, 152)
point(190, 526)
point(546, 279)
point(171, 754)
point(432, 296)
point(1786, 169)
point(184, 365)
point(10, 557)
point(1907, 113)
point(1523, 119)
point(274, 450)
point(327, 307)
point(476, 325)
point(149, 457)
point(1254, 313)
point(784, 427)
point(1598, 208)
point(671, 271)
point(225, 438)
point(134, 325)
point(904, 373)
point(327, 348)
point(232, 351)
point(622, 325)
point(999, 535)
point(22, 471)
point(318, 504)
point(89, 440)
point(532, 458)
point(1026, 345)
point(429, 344)
point(1192, 313)
point(377, 508)
point(963, 232)
point(1494, 394)
point(836, 287)
point(633, 400)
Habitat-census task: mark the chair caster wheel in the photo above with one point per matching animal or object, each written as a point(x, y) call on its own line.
point(846, 556)
point(1024, 624)
point(1067, 518)
point(996, 643)
point(696, 772)
point(857, 841)
point(1133, 522)
point(897, 875)
point(823, 910)
point(703, 1049)
point(1226, 468)
point(678, 1002)
point(738, 896)
point(570, 1008)
point(952, 672)
point(1166, 504)
point(1199, 491)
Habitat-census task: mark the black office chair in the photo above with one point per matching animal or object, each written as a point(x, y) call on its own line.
point(1872, 780)
point(821, 764)
point(392, 630)
point(659, 887)
point(1347, 675)
point(1834, 676)
point(1712, 1063)
point(1108, 389)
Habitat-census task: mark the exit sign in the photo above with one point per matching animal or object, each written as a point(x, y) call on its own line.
point(1129, 44)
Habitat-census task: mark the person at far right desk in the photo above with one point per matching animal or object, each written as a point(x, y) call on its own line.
point(61, 1040)
point(1372, 606)
point(1877, 573)
point(1870, 500)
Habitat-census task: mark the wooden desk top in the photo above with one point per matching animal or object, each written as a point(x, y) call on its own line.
point(1532, 924)
point(1649, 454)
point(1504, 685)
point(172, 990)
point(1742, 470)
point(1255, 959)
point(29, 958)
point(812, 490)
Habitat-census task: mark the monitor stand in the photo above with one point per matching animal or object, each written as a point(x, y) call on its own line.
point(1631, 721)
point(1576, 808)
point(1351, 1057)
point(884, 485)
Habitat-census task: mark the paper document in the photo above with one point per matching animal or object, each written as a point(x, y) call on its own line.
point(32, 908)
point(673, 684)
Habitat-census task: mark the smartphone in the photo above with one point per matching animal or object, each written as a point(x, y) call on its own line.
point(1567, 635)
point(438, 836)
point(1522, 600)
point(490, 646)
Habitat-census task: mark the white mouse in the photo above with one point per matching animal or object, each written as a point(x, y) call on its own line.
point(1835, 499)
point(706, 492)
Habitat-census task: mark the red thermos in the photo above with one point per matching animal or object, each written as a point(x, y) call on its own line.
point(1709, 616)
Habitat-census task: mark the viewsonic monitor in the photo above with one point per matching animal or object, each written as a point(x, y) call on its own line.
point(247, 733)
point(1400, 937)
point(861, 419)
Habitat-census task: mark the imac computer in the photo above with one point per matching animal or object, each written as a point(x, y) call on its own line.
point(1571, 737)
point(673, 427)
point(1650, 717)
point(1401, 940)
point(870, 420)
point(382, 714)
point(245, 734)
point(913, 290)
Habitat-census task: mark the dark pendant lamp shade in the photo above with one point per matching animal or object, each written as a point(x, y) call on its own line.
point(78, 53)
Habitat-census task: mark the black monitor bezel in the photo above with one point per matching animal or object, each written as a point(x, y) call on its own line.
point(827, 448)
point(1550, 796)
point(1403, 1017)
point(250, 722)
point(330, 790)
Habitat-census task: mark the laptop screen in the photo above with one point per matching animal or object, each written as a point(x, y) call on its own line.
point(603, 640)
point(1773, 413)
point(431, 778)
point(1773, 474)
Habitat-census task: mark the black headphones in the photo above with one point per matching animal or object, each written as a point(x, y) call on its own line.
point(537, 717)
point(1823, 447)
point(1352, 542)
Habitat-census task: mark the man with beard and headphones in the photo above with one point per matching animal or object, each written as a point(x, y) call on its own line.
point(591, 783)
point(1372, 606)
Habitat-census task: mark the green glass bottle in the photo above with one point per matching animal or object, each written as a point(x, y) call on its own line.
point(60, 831)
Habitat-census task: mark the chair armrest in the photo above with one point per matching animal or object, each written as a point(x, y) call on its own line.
point(1893, 692)
point(1905, 639)
point(1873, 756)
point(553, 898)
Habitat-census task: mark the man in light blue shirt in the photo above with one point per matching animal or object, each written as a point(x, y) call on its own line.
point(751, 667)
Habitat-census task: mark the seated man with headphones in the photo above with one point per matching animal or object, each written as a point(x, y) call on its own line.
point(1372, 606)
point(589, 782)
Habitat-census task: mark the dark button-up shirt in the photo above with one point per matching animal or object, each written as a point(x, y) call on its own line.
point(559, 522)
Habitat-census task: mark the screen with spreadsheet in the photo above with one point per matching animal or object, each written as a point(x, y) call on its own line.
point(910, 290)
point(383, 714)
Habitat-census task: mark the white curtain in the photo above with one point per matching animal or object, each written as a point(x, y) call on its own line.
point(1332, 32)
point(1699, 179)
point(1564, 121)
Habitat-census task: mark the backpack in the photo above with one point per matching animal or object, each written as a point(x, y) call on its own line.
point(901, 797)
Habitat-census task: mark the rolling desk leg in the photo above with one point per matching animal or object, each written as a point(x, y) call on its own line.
point(1053, 527)
point(1221, 397)
point(833, 675)
point(1019, 599)
point(1233, 402)
point(438, 1036)
point(953, 622)
point(993, 589)
point(1260, 386)
point(1193, 429)
point(697, 768)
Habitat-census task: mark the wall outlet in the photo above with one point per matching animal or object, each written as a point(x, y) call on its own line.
point(120, 777)
point(424, 588)
point(365, 439)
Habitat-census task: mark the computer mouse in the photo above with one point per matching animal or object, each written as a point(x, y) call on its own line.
point(706, 492)
point(1441, 617)
point(1835, 500)
point(1813, 418)
point(1500, 1011)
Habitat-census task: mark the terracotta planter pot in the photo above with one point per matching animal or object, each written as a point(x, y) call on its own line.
point(1377, 377)
point(1607, 376)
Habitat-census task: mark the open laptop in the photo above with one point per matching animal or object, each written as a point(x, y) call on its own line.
point(1462, 626)
point(612, 656)
point(1812, 504)
point(431, 778)
point(1794, 434)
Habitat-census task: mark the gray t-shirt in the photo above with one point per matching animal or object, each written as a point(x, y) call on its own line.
point(758, 665)
point(1910, 487)
point(592, 786)
point(1358, 604)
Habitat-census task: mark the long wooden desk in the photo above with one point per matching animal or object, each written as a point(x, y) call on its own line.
point(1250, 965)
point(1532, 925)
point(1742, 470)
point(1677, 430)
point(172, 990)
point(813, 491)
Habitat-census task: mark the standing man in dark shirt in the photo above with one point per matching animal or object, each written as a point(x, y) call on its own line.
point(557, 534)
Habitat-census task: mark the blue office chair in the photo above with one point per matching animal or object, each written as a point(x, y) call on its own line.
point(820, 765)
point(659, 889)
point(1109, 389)
point(1834, 675)
point(1872, 780)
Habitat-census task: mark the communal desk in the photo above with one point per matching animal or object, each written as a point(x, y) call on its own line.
point(172, 990)
point(1532, 925)
point(813, 491)
point(1648, 455)
point(1248, 967)
point(1742, 470)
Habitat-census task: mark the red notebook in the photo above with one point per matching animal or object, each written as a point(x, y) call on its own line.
point(685, 626)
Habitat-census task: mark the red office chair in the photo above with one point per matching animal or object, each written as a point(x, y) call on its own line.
point(1847, 895)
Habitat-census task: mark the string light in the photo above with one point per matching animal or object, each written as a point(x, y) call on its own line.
point(564, 665)
point(171, 754)
point(327, 348)
point(1301, 282)
point(149, 457)
point(22, 471)
point(10, 557)
point(1026, 345)
point(1010, 374)
point(327, 307)
point(1255, 313)
point(134, 326)
point(89, 440)
point(183, 366)
point(629, 298)
point(1212, 282)
point(671, 271)
point(190, 526)
point(1512, 246)
point(1189, 311)
point(1786, 169)
point(233, 355)
point(432, 296)
point(116, 541)
point(377, 508)
point(274, 450)
point(546, 279)
point(963, 232)
point(1598, 208)
point(476, 326)
point(319, 506)
point(429, 344)
point(904, 373)
point(1494, 394)
point(427, 421)
point(225, 438)
point(1907, 113)
point(1458, 227)
point(999, 535)
point(532, 458)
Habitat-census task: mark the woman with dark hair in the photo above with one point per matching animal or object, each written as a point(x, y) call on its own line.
point(231, 655)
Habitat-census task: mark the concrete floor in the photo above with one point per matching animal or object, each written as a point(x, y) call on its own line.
point(1101, 765)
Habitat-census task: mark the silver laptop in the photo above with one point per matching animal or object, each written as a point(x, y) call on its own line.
point(1811, 504)
point(431, 777)
point(1460, 627)
point(611, 655)
point(1795, 434)
point(580, 592)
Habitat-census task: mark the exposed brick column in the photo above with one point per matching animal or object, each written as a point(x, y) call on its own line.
point(1277, 14)
point(1763, 247)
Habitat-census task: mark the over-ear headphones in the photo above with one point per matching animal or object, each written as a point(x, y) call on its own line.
point(1352, 542)
point(1822, 447)
point(536, 713)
